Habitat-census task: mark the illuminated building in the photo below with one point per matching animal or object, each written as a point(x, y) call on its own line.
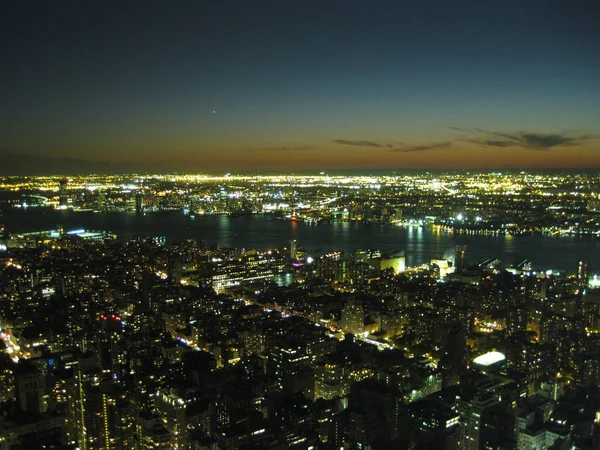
point(151, 432)
point(396, 262)
point(443, 266)
point(353, 318)
point(112, 349)
point(246, 270)
point(470, 412)
point(516, 323)
point(63, 194)
point(290, 366)
point(535, 430)
point(331, 267)
point(330, 381)
point(489, 359)
point(7, 383)
point(107, 419)
point(255, 349)
point(173, 410)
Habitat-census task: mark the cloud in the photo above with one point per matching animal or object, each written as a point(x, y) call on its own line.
point(523, 139)
point(394, 146)
point(487, 142)
point(423, 147)
point(536, 140)
point(362, 143)
point(290, 148)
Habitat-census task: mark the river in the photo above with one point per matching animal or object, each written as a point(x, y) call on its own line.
point(420, 244)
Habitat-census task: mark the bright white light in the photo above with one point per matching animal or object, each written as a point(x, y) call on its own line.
point(309, 260)
point(459, 217)
point(489, 358)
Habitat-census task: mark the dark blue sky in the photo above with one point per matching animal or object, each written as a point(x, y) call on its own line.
point(194, 85)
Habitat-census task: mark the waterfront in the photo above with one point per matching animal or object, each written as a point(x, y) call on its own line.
point(420, 244)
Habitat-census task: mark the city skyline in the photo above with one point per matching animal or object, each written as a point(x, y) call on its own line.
point(299, 225)
point(232, 86)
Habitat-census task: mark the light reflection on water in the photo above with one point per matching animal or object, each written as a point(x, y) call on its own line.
point(420, 244)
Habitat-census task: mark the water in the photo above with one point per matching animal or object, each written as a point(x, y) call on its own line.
point(420, 244)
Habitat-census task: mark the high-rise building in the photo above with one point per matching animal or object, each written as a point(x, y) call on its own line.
point(461, 259)
point(290, 367)
point(31, 390)
point(332, 267)
point(548, 327)
point(112, 349)
point(375, 415)
point(63, 196)
point(583, 273)
point(454, 357)
point(516, 322)
point(139, 203)
point(471, 412)
point(353, 318)
point(497, 428)
point(106, 416)
point(151, 432)
point(173, 410)
point(436, 422)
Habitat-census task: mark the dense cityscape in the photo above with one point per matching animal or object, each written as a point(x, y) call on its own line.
point(299, 225)
point(507, 203)
point(152, 343)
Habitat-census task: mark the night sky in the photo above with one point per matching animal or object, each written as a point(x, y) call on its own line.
point(209, 85)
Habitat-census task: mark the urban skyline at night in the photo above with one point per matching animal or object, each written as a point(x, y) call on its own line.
point(299, 225)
